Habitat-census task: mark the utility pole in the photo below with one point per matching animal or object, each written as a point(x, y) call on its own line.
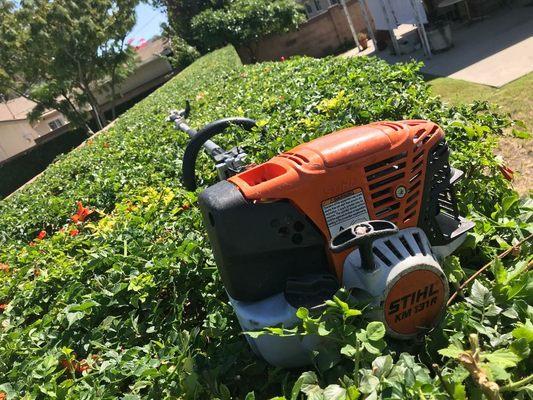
point(350, 22)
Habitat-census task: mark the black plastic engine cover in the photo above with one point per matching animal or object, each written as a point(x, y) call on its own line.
point(439, 214)
point(258, 246)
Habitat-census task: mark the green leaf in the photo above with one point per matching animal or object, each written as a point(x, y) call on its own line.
point(521, 134)
point(524, 331)
point(334, 392)
point(83, 306)
point(349, 351)
point(302, 313)
point(509, 201)
point(452, 351)
point(483, 300)
point(459, 391)
point(503, 358)
point(372, 347)
point(453, 269)
point(521, 348)
point(310, 386)
point(498, 372)
point(72, 317)
point(375, 330)
point(352, 393)
point(382, 365)
point(369, 383)
point(225, 394)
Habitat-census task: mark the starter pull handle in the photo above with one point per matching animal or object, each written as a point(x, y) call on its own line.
point(363, 235)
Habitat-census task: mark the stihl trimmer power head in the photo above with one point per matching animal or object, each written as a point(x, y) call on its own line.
point(371, 208)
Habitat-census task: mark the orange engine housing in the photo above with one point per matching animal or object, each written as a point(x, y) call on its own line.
point(383, 163)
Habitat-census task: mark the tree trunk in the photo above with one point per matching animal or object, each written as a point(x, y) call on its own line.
point(98, 115)
point(113, 94)
point(83, 120)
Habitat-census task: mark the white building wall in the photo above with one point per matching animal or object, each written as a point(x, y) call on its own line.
point(15, 137)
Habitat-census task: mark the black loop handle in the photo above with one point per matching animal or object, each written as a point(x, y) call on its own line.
point(203, 135)
point(363, 234)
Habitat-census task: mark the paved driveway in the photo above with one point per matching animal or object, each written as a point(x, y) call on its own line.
point(493, 51)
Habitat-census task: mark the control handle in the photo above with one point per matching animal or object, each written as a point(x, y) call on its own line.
point(363, 235)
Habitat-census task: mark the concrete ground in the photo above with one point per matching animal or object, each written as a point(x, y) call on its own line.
point(493, 51)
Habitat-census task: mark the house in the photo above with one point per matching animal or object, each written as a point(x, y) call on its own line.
point(18, 135)
point(151, 71)
point(316, 7)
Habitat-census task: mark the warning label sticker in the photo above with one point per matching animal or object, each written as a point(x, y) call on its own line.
point(345, 210)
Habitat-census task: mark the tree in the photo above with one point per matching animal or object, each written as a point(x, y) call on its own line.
point(60, 53)
point(244, 22)
point(180, 14)
point(207, 24)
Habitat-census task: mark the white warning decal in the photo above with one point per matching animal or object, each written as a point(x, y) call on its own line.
point(345, 210)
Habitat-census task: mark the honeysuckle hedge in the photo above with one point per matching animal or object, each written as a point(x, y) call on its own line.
point(108, 288)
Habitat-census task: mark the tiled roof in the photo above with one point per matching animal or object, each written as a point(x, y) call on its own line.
point(15, 109)
point(151, 49)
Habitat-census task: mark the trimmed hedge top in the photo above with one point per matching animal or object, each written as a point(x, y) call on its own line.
point(128, 302)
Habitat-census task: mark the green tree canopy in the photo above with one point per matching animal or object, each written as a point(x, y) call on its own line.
point(181, 12)
point(244, 22)
point(204, 25)
point(60, 53)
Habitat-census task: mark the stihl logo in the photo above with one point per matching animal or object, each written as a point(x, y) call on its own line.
point(413, 303)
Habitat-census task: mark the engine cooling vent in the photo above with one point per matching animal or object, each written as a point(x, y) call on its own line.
point(407, 243)
point(296, 158)
point(406, 169)
point(382, 178)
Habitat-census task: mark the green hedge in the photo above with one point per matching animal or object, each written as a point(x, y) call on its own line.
point(132, 306)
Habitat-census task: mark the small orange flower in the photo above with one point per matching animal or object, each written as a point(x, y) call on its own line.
point(82, 214)
point(82, 365)
point(3, 307)
point(41, 235)
point(4, 267)
point(75, 365)
point(74, 232)
point(3, 396)
point(36, 272)
point(507, 172)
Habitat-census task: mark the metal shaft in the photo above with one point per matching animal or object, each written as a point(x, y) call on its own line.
point(211, 147)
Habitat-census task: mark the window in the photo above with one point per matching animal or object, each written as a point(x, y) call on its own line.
point(308, 9)
point(318, 5)
point(55, 124)
point(333, 2)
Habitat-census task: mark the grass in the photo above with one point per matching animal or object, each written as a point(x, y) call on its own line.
point(515, 98)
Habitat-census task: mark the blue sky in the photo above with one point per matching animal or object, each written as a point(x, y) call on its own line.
point(148, 22)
